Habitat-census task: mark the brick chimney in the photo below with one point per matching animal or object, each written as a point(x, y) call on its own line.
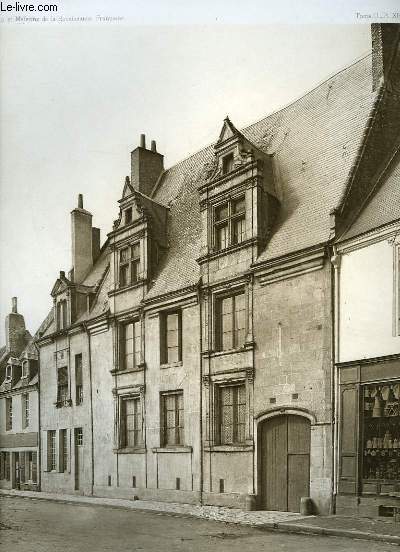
point(85, 242)
point(15, 330)
point(146, 166)
point(384, 39)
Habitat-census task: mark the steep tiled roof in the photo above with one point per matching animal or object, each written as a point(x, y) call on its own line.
point(313, 142)
point(383, 207)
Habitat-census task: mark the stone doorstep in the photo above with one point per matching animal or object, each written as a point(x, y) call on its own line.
point(256, 519)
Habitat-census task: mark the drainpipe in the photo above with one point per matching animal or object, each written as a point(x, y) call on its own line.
point(91, 408)
point(335, 260)
point(199, 299)
point(39, 451)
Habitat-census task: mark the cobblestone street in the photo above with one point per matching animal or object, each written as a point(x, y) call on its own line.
point(29, 524)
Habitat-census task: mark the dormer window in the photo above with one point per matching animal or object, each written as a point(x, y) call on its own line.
point(128, 215)
point(62, 318)
point(229, 223)
point(227, 163)
point(129, 265)
point(25, 369)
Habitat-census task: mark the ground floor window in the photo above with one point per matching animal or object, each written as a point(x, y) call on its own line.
point(232, 414)
point(381, 432)
point(5, 466)
point(131, 422)
point(51, 451)
point(172, 419)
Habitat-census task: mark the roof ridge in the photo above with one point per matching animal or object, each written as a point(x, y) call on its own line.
point(248, 126)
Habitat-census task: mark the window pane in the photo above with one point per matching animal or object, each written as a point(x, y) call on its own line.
point(125, 254)
point(240, 320)
point(173, 419)
point(226, 323)
point(173, 337)
point(238, 206)
point(124, 275)
point(226, 414)
point(238, 229)
point(137, 342)
point(136, 251)
point(221, 212)
point(222, 237)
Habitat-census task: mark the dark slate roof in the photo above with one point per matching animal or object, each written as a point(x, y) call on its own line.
point(313, 141)
point(383, 207)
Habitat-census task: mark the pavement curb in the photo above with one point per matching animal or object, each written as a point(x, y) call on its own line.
point(332, 532)
point(284, 527)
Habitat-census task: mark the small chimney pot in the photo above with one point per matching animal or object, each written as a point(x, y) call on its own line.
point(153, 146)
point(14, 304)
point(143, 141)
point(80, 201)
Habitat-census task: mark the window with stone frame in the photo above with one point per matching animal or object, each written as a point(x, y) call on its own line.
point(230, 321)
point(227, 163)
point(130, 345)
point(51, 451)
point(129, 265)
point(7, 465)
point(131, 422)
point(172, 419)
point(25, 369)
point(32, 466)
point(230, 223)
point(63, 450)
point(78, 379)
point(231, 419)
point(9, 414)
point(170, 337)
point(26, 414)
point(62, 314)
point(128, 215)
point(62, 386)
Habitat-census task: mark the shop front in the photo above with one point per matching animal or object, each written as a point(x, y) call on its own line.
point(369, 438)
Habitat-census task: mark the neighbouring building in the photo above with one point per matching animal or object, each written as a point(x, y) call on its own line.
point(19, 391)
point(367, 265)
point(191, 357)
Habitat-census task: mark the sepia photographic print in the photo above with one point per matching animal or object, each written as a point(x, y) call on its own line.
point(199, 276)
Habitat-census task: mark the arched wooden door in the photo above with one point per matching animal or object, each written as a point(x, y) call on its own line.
point(284, 462)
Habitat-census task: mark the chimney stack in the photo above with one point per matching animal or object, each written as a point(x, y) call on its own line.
point(15, 330)
point(146, 166)
point(81, 233)
point(384, 37)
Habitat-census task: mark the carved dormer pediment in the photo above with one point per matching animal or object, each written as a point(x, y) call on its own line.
point(228, 131)
point(61, 285)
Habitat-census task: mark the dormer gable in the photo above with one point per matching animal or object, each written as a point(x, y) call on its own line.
point(238, 197)
point(130, 209)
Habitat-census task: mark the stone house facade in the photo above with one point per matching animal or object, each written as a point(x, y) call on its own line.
point(19, 399)
point(190, 358)
point(367, 291)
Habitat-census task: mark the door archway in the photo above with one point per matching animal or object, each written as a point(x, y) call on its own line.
point(284, 461)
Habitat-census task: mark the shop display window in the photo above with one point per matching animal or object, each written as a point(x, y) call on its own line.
point(381, 433)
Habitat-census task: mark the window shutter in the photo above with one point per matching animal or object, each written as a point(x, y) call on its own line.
point(122, 425)
point(163, 339)
point(348, 469)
